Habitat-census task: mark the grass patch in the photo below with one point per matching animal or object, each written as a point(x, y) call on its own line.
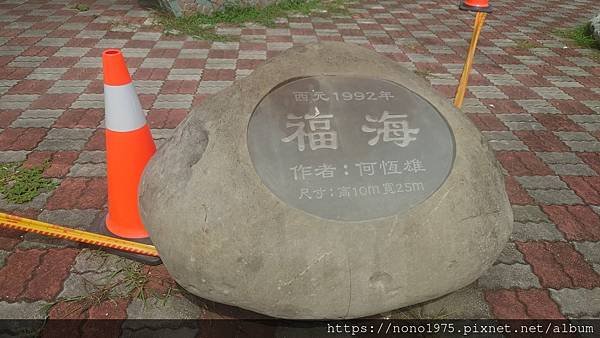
point(423, 73)
point(130, 280)
point(581, 35)
point(81, 7)
point(22, 185)
point(526, 44)
point(202, 26)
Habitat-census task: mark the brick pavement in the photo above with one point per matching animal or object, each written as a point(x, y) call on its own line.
point(535, 97)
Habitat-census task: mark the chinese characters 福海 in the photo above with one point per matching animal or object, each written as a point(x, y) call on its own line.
point(391, 128)
point(319, 132)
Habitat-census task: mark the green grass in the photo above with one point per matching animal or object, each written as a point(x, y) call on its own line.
point(526, 44)
point(422, 73)
point(22, 185)
point(581, 35)
point(202, 26)
point(128, 281)
point(81, 7)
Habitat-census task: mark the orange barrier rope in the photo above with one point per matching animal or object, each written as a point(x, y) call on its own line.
point(464, 79)
point(29, 225)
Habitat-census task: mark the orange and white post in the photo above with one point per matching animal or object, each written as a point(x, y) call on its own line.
point(129, 147)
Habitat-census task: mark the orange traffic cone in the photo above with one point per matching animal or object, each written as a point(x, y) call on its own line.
point(129, 147)
point(476, 6)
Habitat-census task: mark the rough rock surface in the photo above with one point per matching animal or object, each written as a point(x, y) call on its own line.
point(595, 25)
point(224, 236)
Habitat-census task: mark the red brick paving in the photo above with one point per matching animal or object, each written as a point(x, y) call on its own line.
point(505, 304)
point(79, 193)
point(516, 194)
point(578, 223)
point(17, 272)
point(21, 138)
point(47, 280)
point(521, 163)
point(586, 187)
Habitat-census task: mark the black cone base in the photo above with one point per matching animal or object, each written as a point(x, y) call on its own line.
point(464, 7)
point(145, 259)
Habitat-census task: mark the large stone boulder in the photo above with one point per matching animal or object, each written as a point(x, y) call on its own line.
point(216, 203)
point(595, 28)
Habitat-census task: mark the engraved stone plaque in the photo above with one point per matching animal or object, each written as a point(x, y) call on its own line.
point(348, 148)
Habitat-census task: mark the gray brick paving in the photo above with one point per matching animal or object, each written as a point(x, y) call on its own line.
point(589, 250)
point(589, 122)
point(135, 52)
point(27, 61)
point(572, 169)
point(584, 146)
point(3, 256)
point(563, 81)
point(173, 101)
point(11, 50)
point(22, 310)
point(13, 155)
point(538, 106)
point(221, 63)
point(94, 269)
point(511, 255)
point(89, 101)
point(61, 144)
point(151, 36)
point(551, 93)
point(37, 118)
point(5, 85)
point(574, 136)
point(559, 158)
point(503, 79)
point(173, 307)
point(555, 197)
point(18, 101)
point(148, 86)
point(112, 43)
point(573, 71)
point(487, 92)
point(541, 182)
point(504, 276)
point(467, 302)
point(536, 232)
point(520, 122)
point(52, 42)
point(75, 218)
point(518, 69)
point(87, 170)
point(157, 63)
point(89, 62)
point(212, 87)
point(529, 213)
point(72, 51)
point(578, 302)
point(65, 139)
point(69, 134)
point(184, 74)
point(93, 156)
point(592, 104)
point(46, 74)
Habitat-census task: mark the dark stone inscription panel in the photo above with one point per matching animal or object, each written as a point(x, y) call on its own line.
point(350, 149)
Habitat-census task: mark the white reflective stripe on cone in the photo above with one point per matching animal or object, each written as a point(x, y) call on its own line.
point(122, 108)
